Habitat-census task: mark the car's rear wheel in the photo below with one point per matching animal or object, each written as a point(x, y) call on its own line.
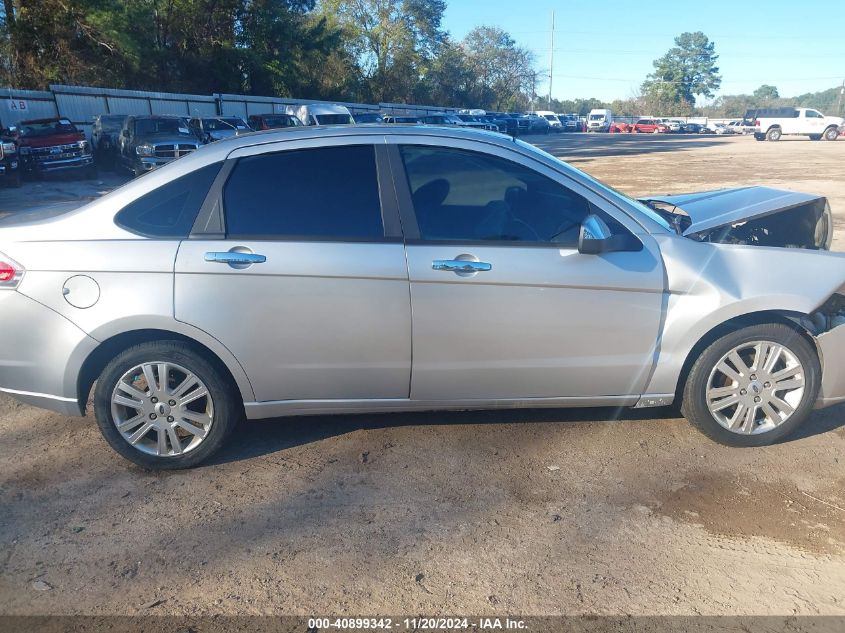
point(163, 405)
point(774, 134)
point(830, 134)
point(753, 386)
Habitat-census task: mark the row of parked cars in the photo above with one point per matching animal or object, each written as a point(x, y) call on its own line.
point(141, 143)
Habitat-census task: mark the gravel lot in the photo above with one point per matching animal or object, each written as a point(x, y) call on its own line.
point(528, 512)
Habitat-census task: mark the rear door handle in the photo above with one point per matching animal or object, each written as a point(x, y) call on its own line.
point(234, 257)
point(460, 265)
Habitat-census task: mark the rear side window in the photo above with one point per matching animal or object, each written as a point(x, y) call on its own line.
point(170, 210)
point(329, 193)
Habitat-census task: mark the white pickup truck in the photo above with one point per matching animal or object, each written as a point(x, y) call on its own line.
point(772, 123)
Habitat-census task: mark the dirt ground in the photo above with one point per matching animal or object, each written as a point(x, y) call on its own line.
point(519, 512)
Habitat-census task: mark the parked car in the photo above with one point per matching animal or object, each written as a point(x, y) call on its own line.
point(537, 124)
point(149, 142)
point(105, 138)
point(444, 119)
point(741, 127)
point(181, 348)
point(367, 117)
point(650, 126)
point(474, 121)
point(402, 119)
point(210, 129)
point(773, 123)
point(599, 120)
point(273, 121)
point(523, 123)
point(674, 126)
point(620, 126)
point(570, 122)
point(551, 117)
point(322, 114)
point(722, 128)
point(51, 145)
point(693, 128)
point(10, 168)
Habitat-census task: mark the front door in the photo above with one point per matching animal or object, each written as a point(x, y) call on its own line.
point(504, 305)
point(308, 290)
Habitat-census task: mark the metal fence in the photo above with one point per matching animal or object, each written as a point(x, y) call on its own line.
point(81, 104)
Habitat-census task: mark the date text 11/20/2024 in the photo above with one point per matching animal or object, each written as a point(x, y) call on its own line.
point(416, 624)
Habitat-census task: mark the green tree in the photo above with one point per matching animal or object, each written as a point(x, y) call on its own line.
point(766, 93)
point(504, 74)
point(687, 70)
point(393, 41)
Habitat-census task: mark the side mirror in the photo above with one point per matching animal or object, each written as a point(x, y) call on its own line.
point(594, 235)
point(596, 238)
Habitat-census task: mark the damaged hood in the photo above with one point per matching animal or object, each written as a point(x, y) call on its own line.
point(801, 217)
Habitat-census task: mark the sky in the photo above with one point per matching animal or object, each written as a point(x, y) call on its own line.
point(605, 49)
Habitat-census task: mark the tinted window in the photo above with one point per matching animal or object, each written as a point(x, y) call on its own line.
point(326, 193)
point(169, 210)
point(469, 196)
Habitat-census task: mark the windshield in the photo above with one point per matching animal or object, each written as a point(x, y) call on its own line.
point(144, 127)
point(215, 125)
point(281, 120)
point(111, 123)
point(30, 130)
point(333, 119)
point(642, 208)
point(596, 117)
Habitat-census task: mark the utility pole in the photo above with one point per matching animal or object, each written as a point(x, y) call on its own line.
point(839, 101)
point(551, 58)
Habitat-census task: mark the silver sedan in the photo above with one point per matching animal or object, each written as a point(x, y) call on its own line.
point(387, 268)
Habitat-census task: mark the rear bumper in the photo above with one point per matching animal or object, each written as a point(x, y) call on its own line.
point(831, 346)
point(40, 363)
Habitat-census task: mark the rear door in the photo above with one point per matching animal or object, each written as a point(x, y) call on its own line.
point(504, 305)
point(306, 283)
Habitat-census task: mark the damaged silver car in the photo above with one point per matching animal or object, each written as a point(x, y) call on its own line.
point(378, 269)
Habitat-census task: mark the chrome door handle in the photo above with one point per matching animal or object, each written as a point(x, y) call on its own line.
point(234, 257)
point(460, 265)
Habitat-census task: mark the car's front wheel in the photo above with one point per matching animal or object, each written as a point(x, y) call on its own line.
point(830, 134)
point(753, 386)
point(163, 405)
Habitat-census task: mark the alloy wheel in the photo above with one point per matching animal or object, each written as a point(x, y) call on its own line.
point(755, 387)
point(162, 409)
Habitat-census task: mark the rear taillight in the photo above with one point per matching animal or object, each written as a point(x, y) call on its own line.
point(756, 123)
point(11, 272)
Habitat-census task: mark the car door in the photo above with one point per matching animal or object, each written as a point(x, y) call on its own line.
point(302, 274)
point(504, 305)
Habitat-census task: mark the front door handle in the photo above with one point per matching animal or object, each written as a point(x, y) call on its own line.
point(234, 257)
point(460, 265)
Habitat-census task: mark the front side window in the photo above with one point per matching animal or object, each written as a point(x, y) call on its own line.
point(329, 193)
point(469, 196)
point(813, 114)
point(170, 210)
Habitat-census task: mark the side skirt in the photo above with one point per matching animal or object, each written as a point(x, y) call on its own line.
point(282, 408)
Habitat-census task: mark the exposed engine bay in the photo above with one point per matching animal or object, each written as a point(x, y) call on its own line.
point(756, 216)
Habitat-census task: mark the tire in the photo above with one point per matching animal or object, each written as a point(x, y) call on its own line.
point(797, 350)
point(213, 417)
point(830, 134)
point(774, 134)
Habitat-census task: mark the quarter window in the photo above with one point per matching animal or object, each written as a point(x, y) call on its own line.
point(170, 210)
point(320, 194)
point(469, 196)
